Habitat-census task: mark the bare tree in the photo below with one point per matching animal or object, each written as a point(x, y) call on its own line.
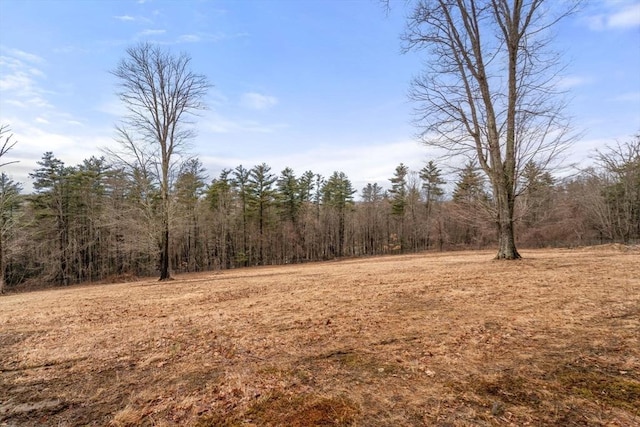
point(489, 90)
point(160, 93)
point(620, 178)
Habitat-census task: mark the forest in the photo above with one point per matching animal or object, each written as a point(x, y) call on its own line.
point(101, 220)
point(148, 207)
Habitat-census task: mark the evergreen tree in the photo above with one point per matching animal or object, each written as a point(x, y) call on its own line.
point(219, 197)
point(189, 188)
point(399, 191)
point(289, 197)
point(470, 200)
point(337, 194)
point(432, 183)
point(88, 235)
point(261, 182)
point(51, 205)
point(469, 188)
point(241, 183)
point(372, 225)
point(536, 196)
point(306, 185)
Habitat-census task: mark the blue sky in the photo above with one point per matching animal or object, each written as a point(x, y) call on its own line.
point(314, 85)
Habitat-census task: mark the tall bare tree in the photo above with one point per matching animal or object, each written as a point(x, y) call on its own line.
point(160, 94)
point(489, 90)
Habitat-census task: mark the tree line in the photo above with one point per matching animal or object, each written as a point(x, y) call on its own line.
point(100, 220)
point(488, 93)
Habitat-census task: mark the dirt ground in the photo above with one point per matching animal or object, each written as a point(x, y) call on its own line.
point(452, 339)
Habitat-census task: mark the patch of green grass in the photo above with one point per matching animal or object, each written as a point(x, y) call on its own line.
point(593, 384)
point(509, 389)
point(279, 409)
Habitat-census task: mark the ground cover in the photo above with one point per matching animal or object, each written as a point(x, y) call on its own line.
point(447, 339)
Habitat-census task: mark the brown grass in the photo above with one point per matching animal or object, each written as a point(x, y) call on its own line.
point(433, 339)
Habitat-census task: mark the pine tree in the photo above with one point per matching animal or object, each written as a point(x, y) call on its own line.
point(536, 195)
point(289, 199)
point(51, 205)
point(432, 183)
point(188, 189)
point(399, 191)
point(241, 183)
point(220, 199)
point(261, 182)
point(337, 194)
point(470, 199)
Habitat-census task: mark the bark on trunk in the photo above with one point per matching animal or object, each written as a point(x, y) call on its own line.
point(1, 266)
point(506, 239)
point(164, 255)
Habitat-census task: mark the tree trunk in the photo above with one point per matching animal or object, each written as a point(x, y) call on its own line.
point(506, 240)
point(1, 265)
point(164, 255)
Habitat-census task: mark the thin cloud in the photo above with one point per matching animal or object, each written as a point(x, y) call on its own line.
point(257, 101)
point(218, 124)
point(627, 18)
point(628, 97)
point(151, 32)
point(620, 16)
point(208, 37)
point(22, 55)
point(569, 82)
point(125, 18)
point(189, 38)
point(19, 80)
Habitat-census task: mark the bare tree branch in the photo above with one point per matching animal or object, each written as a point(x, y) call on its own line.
point(489, 89)
point(7, 143)
point(160, 94)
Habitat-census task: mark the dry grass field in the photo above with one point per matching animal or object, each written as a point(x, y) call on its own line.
point(451, 339)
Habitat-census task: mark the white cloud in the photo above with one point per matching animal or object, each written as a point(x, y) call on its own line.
point(217, 123)
point(19, 79)
point(626, 18)
point(22, 55)
point(151, 32)
point(189, 38)
point(208, 37)
point(568, 82)
point(33, 141)
point(125, 18)
point(15, 81)
point(628, 97)
point(113, 107)
point(256, 101)
point(42, 120)
point(362, 164)
point(620, 15)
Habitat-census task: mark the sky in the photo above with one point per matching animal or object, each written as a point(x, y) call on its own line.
point(315, 85)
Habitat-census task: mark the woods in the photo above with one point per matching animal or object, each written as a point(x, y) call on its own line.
point(488, 96)
point(101, 220)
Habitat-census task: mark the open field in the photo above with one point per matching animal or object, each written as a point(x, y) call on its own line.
point(451, 339)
